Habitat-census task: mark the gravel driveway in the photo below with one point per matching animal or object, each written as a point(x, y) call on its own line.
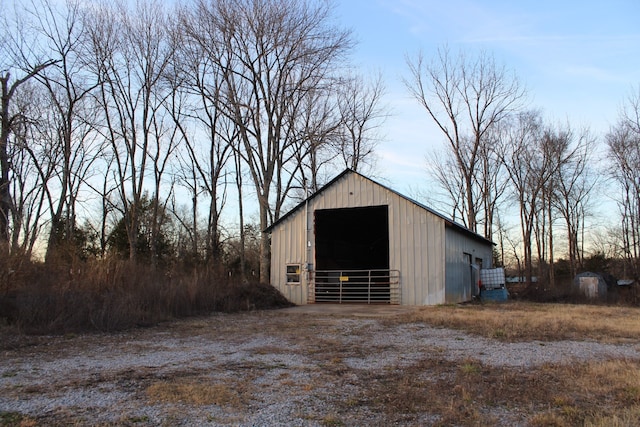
point(286, 367)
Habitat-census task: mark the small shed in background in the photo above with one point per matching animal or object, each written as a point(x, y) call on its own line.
point(356, 240)
point(591, 285)
point(628, 290)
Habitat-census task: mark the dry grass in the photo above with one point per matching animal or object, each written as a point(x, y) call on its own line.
point(436, 391)
point(430, 390)
point(112, 295)
point(195, 392)
point(519, 321)
point(468, 393)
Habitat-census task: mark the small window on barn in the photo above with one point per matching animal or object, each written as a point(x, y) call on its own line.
point(293, 274)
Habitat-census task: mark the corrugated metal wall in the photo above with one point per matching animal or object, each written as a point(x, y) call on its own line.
point(461, 250)
point(288, 246)
point(416, 240)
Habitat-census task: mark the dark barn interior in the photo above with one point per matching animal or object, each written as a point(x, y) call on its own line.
point(352, 239)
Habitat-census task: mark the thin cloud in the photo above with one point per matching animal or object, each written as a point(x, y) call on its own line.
point(406, 160)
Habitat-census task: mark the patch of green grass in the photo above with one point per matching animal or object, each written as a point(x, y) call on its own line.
point(8, 418)
point(331, 420)
point(499, 333)
point(139, 419)
point(470, 368)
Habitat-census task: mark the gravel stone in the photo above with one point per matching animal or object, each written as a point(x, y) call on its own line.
point(276, 372)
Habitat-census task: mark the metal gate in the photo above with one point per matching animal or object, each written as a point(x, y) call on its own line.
point(355, 286)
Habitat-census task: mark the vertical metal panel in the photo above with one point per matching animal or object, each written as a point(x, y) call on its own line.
point(459, 283)
point(416, 237)
point(434, 245)
point(287, 247)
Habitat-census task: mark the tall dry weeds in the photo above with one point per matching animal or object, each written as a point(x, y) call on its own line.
point(113, 294)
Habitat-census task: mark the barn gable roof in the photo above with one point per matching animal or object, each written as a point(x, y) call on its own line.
point(448, 222)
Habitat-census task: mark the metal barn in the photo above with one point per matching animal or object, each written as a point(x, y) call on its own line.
point(358, 241)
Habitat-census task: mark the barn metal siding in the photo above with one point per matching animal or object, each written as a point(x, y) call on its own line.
point(459, 280)
point(416, 236)
point(416, 241)
point(288, 247)
point(428, 254)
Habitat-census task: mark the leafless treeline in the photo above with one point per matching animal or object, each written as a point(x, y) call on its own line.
point(113, 111)
point(128, 124)
point(623, 143)
point(503, 157)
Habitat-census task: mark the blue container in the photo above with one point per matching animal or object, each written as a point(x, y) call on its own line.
point(497, 295)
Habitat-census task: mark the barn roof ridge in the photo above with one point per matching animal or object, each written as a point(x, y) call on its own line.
point(448, 221)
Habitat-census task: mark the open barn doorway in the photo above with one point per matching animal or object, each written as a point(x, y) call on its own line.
point(352, 254)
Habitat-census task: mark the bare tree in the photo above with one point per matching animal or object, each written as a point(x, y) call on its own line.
point(444, 168)
point(534, 156)
point(20, 61)
point(623, 143)
point(522, 136)
point(130, 52)
point(71, 115)
point(33, 158)
point(280, 50)
point(361, 114)
point(492, 182)
point(572, 191)
point(467, 97)
point(209, 143)
point(242, 254)
point(317, 124)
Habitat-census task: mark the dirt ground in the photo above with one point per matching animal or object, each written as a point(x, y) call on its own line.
point(321, 365)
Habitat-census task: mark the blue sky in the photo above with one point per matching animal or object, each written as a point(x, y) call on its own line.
point(578, 59)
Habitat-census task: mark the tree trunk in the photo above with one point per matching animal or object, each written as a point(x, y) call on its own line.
point(242, 255)
point(265, 245)
point(5, 192)
point(552, 275)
